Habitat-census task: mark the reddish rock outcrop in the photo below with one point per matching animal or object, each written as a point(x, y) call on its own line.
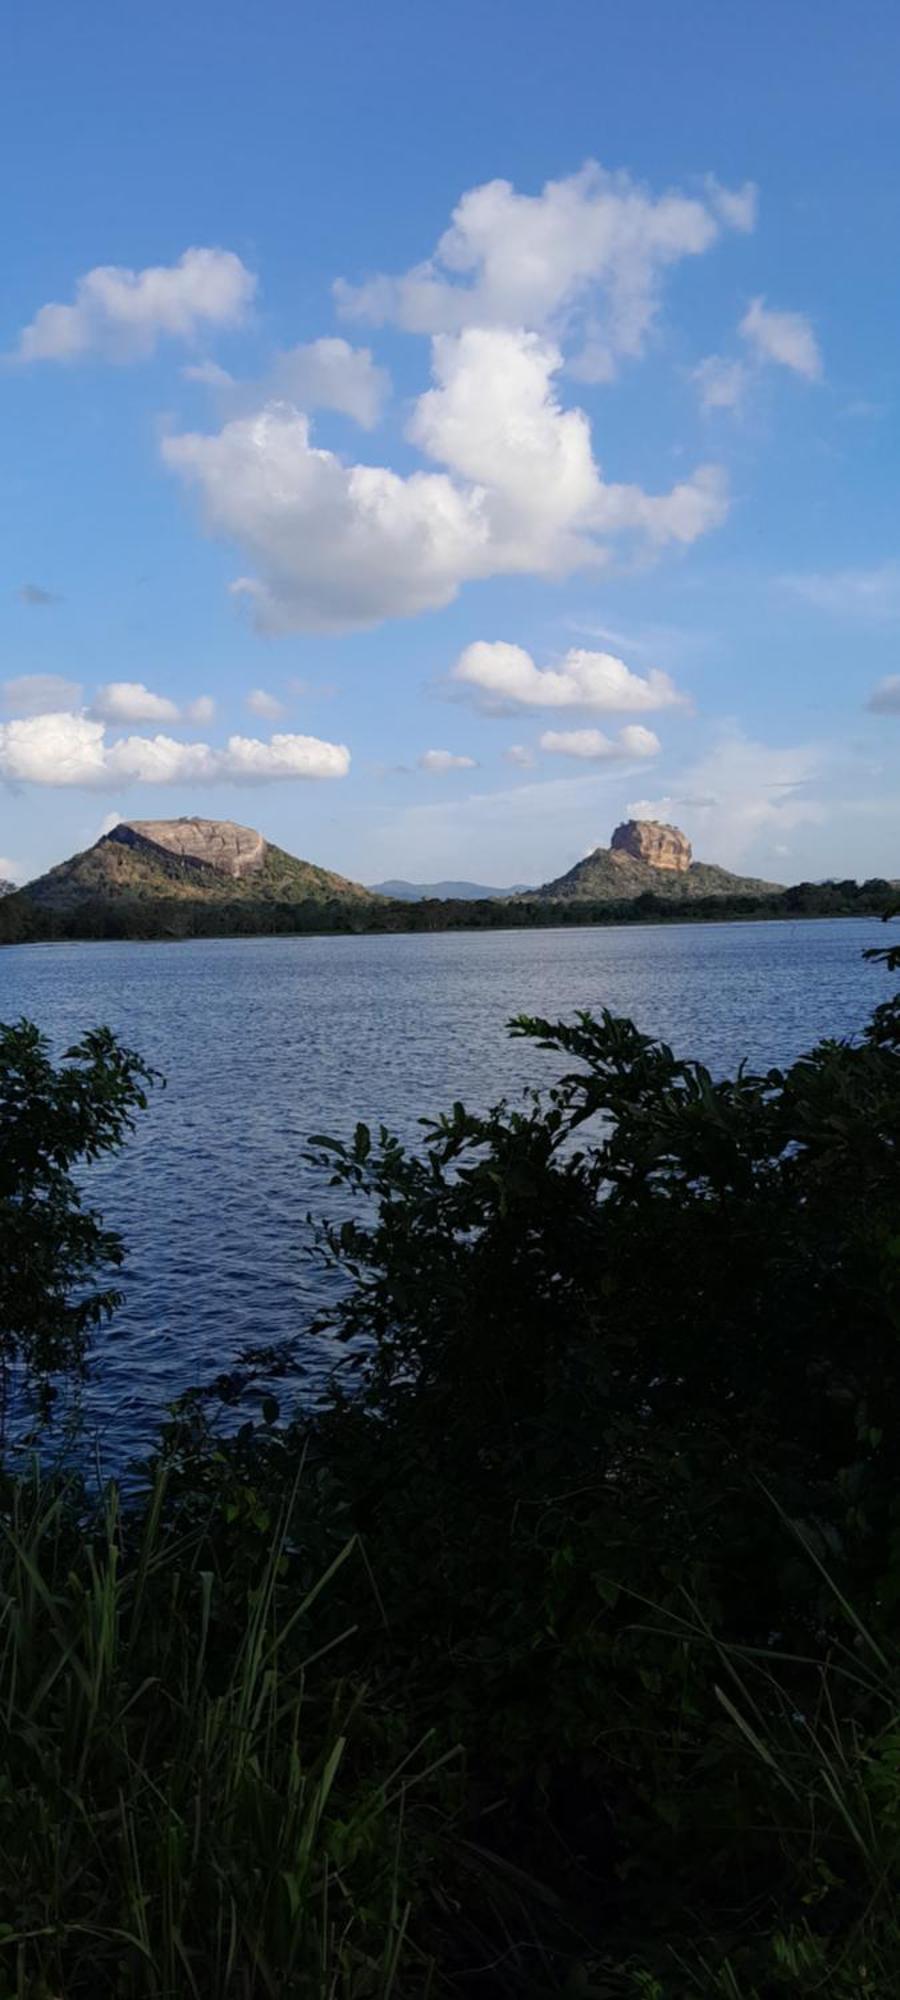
point(648, 840)
point(219, 843)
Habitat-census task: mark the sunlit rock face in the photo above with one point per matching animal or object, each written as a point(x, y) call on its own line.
point(648, 840)
point(219, 843)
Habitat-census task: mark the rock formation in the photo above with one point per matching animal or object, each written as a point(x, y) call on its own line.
point(217, 843)
point(648, 840)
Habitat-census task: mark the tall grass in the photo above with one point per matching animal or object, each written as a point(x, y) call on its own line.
point(188, 1806)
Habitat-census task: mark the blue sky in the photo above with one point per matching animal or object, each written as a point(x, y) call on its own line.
point(461, 427)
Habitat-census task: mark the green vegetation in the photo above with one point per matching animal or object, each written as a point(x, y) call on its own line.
point(133, 872)
point(562, 1654)
point(52, 1248)
point(609, 876)
point(22, 921)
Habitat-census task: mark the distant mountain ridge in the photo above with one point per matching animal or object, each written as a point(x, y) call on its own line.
point(460, 892)
point(622, 871)
point(190, 859)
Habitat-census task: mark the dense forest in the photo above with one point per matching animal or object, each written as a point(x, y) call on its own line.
point(25, 922)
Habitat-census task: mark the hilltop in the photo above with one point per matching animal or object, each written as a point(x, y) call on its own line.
point(646, 857)
point(189, 860)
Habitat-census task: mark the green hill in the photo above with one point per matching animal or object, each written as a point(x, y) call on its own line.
point(617, 873)
point(195, 860)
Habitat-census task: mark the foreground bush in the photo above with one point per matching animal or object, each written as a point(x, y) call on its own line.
point(609, 1498)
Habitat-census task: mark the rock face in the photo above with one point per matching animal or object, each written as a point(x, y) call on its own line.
point(217, 843)
point(648, 840)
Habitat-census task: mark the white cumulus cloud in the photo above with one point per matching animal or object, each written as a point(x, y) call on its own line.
point(121, 314)
point(131, 701)
point(501, 678)
point(338, 546)
point(69, 749)
point(783, 337)
point(594, 747)
point(590, 250)
point(444, 760)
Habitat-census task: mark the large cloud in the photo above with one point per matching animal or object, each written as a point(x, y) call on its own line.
point(501, 678)
point(121, 314)
point(337, 546)
point(69, 749)
point(592, 247)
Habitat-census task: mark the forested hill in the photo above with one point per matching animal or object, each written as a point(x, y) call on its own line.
point(191, 860)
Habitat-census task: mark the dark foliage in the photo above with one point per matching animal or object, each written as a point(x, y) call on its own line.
point(143, 917)
point(54, 1119)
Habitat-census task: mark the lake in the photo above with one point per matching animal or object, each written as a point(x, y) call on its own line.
point(264, 1041)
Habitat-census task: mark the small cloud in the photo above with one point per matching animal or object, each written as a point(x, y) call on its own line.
point(592, 746)
point(885, 698)
point(39, 694)
point(738, 207)
point(870, 596)
point(131, 701)
point(722, 384)
point(209, 373)
point(520, 755)
point(444, 760)
point(122, 314)
point(11, 871)
point(501, 678)
point(786, 338)
point(312, 690)
point(34, 593)
point(267, 705)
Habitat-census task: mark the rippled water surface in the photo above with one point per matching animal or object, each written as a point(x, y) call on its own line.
point(266, 1040)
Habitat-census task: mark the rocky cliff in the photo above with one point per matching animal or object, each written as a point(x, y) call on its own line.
point(649, 840)
point(206, 860)
point(617, 873)
point(218, 843)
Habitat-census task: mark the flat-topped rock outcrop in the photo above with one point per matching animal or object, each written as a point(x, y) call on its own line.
point(190, 859)
point(646, 858)
point(216, 843)
point(651, 841)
